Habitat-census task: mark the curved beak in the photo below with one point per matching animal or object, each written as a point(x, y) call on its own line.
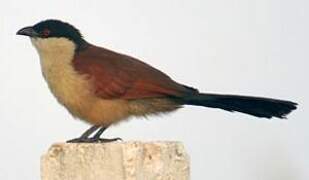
point(27, 31)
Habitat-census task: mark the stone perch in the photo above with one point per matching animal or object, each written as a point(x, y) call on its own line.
point(116, 161)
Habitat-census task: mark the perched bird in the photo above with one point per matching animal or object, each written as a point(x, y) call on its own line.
point(103, 87)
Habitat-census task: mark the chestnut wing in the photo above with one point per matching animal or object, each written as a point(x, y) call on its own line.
point(115, 75)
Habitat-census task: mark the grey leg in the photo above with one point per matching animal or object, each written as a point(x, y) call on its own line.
point(85, 136)
point(97, 138)
point(89, 131)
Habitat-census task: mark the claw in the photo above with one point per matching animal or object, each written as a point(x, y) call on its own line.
point(109, 140)
point(93, 140)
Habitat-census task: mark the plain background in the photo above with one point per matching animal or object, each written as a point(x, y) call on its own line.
point(251, 47)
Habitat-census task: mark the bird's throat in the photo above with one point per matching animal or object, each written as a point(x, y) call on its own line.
point(56, 55)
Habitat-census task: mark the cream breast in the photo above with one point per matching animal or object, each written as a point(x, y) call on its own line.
point(71, 88)
point(65, 83)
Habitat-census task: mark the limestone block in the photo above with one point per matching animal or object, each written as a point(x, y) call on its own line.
point(116, 161)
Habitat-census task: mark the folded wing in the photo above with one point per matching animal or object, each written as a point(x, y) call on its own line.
point(119, 76)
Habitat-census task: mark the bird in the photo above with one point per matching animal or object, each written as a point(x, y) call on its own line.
point(103, 87)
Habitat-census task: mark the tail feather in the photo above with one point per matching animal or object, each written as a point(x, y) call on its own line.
point(256, 106)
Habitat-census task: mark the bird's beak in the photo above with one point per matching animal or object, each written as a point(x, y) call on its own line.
point(28, 31)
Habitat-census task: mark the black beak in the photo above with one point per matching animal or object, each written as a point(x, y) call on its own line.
point(27, 31)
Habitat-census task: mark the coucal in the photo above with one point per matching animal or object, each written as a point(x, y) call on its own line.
point(104, 87)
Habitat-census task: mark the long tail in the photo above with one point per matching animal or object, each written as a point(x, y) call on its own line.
point(256, 106)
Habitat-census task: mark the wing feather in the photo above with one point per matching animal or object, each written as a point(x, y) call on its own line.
point(116, 75)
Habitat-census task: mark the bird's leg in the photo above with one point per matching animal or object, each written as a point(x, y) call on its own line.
point(85, 136)
point(89, 131)
point(97, 135)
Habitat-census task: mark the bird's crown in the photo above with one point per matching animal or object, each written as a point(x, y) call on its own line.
point(56, 28)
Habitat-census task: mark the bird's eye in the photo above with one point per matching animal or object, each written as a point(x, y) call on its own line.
point(46, 32)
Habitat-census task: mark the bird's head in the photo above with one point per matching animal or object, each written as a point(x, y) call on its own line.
point(51, 33)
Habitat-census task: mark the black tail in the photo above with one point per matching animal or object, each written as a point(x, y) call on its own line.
point(256, 106)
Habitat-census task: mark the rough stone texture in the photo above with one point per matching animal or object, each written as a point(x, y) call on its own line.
point(116, 161)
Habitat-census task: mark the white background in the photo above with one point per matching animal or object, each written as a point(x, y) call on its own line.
point(252, 47)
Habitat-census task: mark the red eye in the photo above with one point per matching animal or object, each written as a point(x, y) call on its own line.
point(46, 32)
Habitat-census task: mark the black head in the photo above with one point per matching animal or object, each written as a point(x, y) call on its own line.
point(53, 29)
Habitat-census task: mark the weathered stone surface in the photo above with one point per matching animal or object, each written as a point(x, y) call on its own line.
point(116, 161)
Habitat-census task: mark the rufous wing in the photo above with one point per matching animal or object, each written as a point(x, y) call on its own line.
point(115, 75)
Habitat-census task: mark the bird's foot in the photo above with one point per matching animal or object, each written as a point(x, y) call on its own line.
point(103, 140)
point(93, 140)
